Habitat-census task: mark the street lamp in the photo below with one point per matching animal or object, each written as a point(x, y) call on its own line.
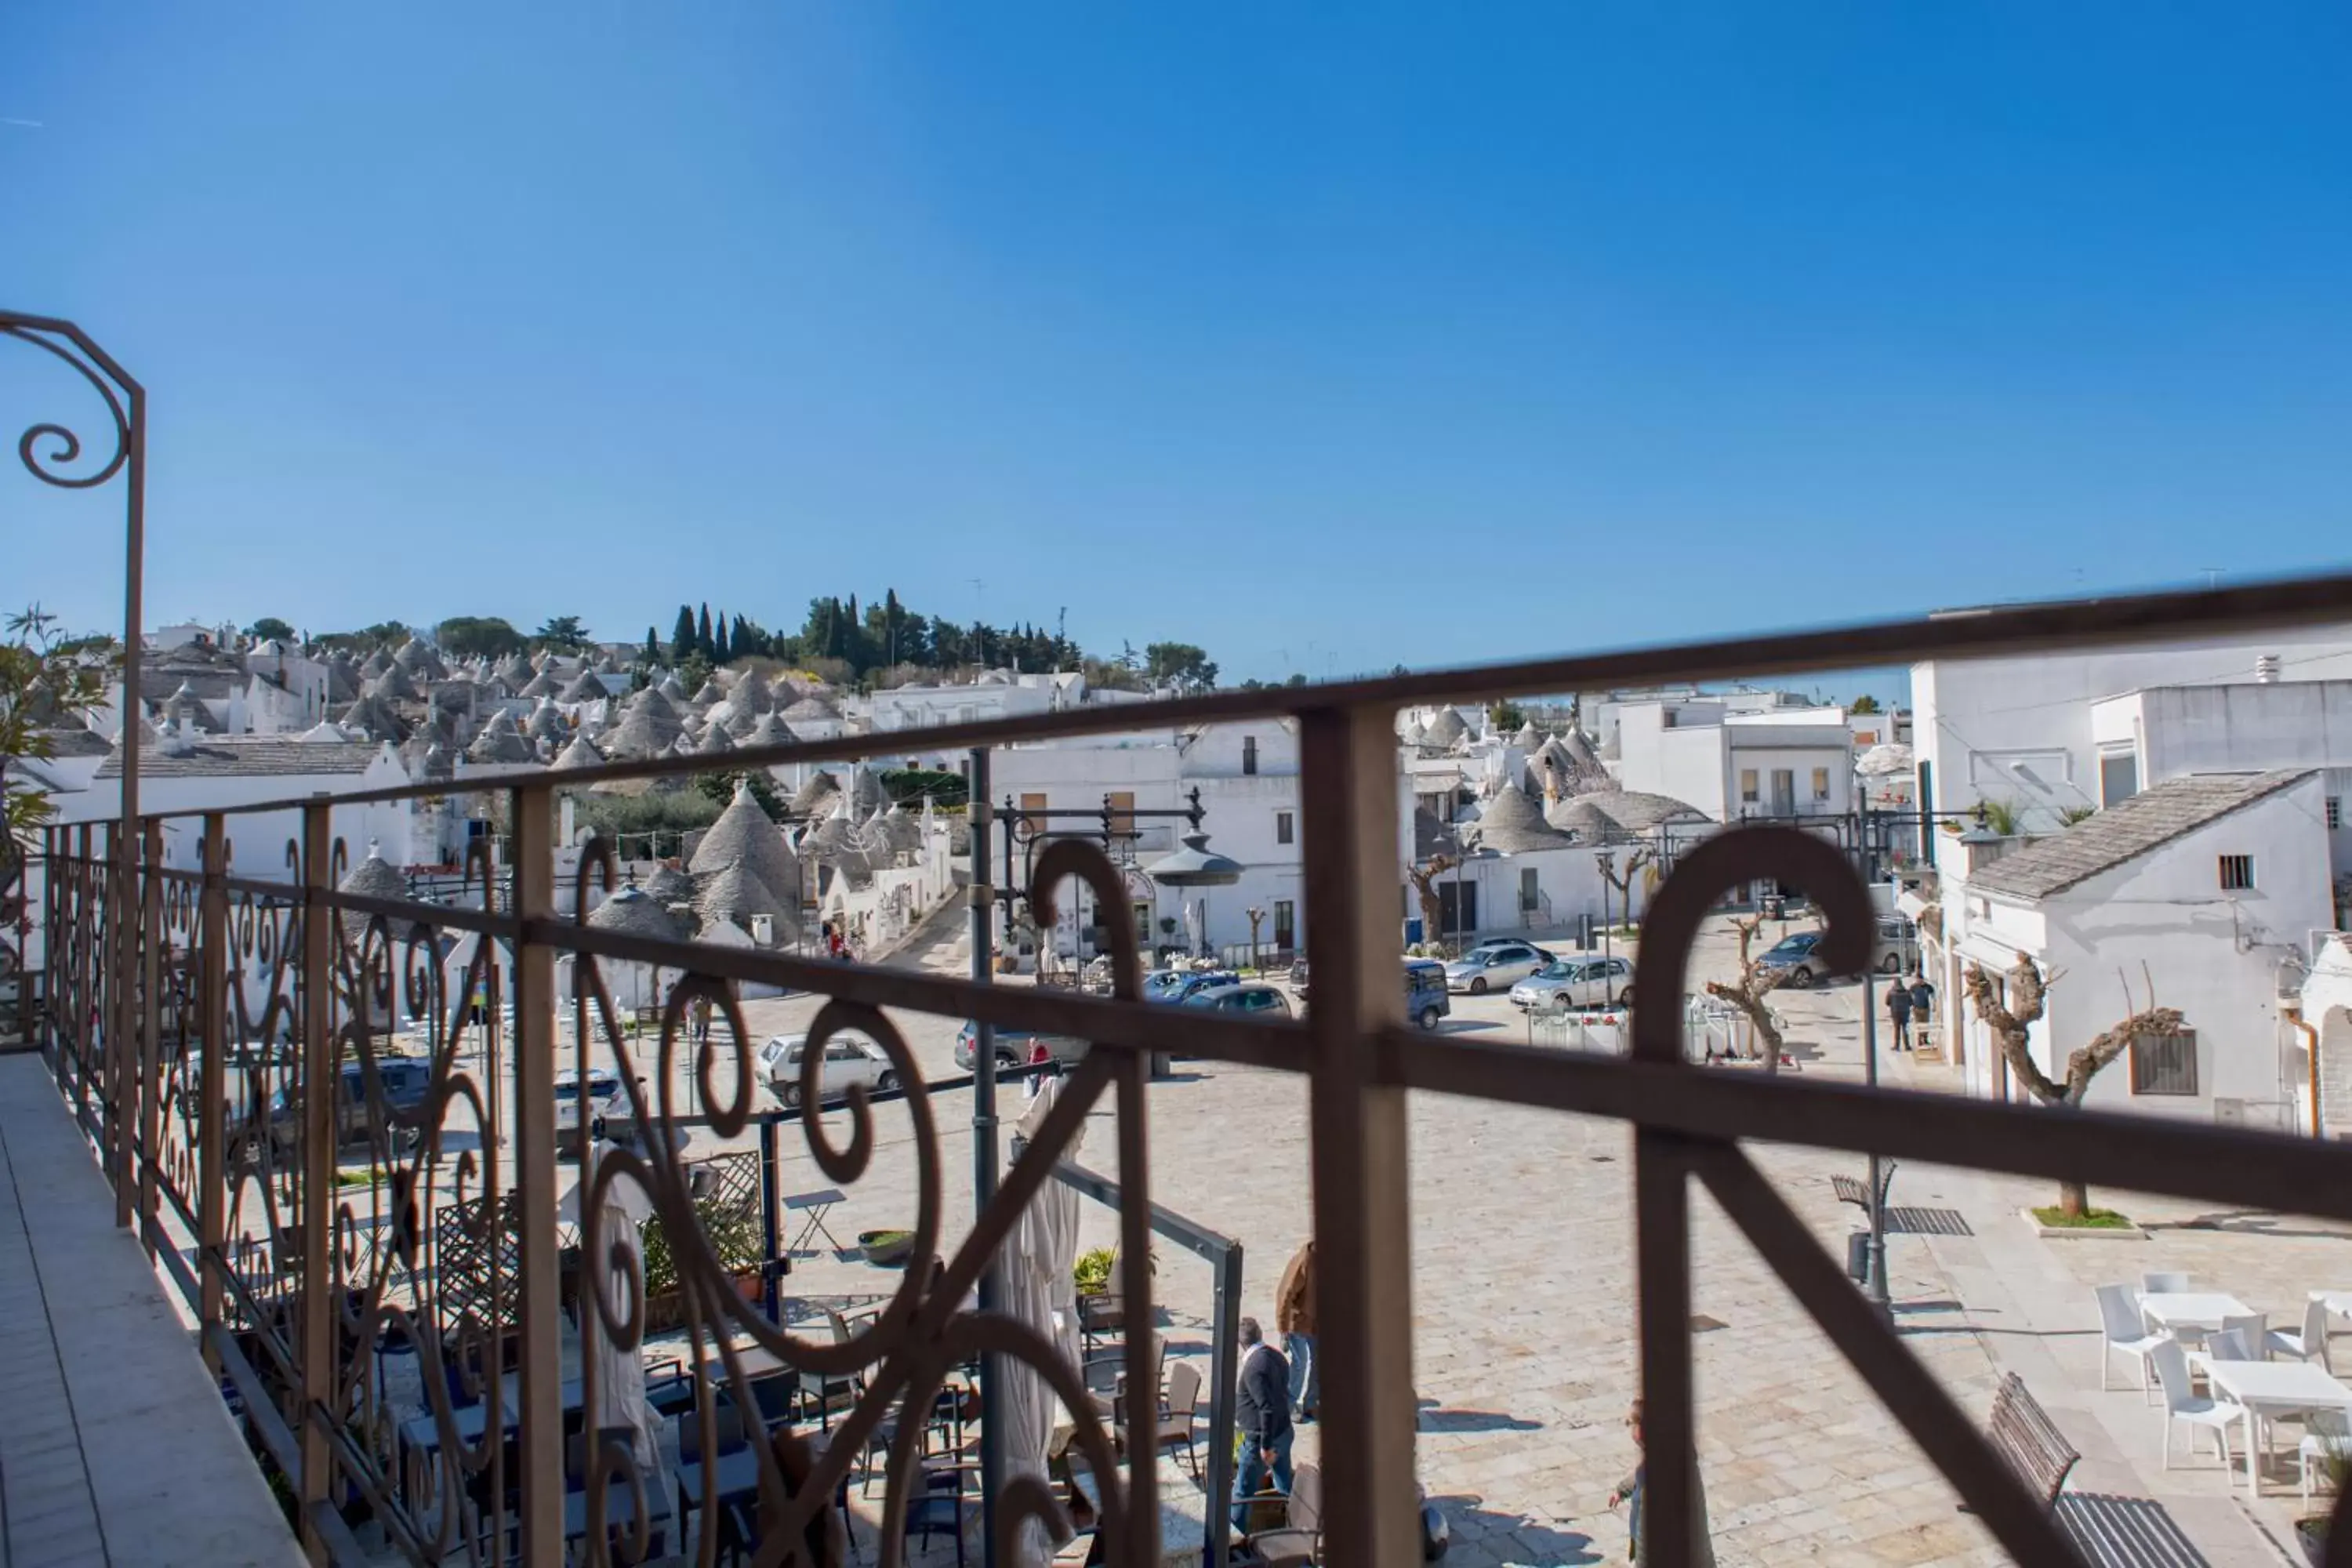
point(1196, 866)
point(1601, 859)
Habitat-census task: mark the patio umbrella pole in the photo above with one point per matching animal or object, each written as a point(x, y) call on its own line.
point(983, 1142)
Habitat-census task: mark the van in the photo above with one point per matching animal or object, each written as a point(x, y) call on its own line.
point(1425, 998)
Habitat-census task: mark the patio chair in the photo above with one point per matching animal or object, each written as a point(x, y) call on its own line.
point(2312, 1341)
point(2326, 1432)
point(1184, 1405)
point(2124, 1333)
point(940, 1510)
point(2183, 1406)
point(1299, 1541)
point(822, 1387)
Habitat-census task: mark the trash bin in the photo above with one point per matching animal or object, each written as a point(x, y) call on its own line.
point(1857, 1256)
point(1776, 907)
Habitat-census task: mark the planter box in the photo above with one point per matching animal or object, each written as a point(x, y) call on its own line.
point(2082, 1232)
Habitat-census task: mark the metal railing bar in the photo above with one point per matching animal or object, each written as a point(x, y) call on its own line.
point(1104, 1020)
point(2027, 628)
point(359, 1470)
point(159, 1241)
point(1935, 1420)
point(343, 1547)
point(455, 917)
point(268, 1423)
point(2175, 1158)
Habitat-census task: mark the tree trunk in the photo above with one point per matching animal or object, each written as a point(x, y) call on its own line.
point(2073, 1200)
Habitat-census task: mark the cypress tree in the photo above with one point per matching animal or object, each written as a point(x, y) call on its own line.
point(702, 633)
point(681, 641)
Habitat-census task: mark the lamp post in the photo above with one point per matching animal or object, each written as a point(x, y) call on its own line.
point(126, 404)
point(1600, 859)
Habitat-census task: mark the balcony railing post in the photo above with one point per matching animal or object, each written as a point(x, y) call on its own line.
point(210, 962)
point(150, 1032)
point(1347, 768)
point(542, 1411)
point(85, 1006)
point(121, 1002)
point(314, 1204)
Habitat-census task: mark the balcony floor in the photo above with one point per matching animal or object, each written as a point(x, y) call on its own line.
point(114, 1444)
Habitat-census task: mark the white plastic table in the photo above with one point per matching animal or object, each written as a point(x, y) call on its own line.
point(2191, 1309)
point(2268, 1388)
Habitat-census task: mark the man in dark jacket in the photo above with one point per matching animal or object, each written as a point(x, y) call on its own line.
point(1262, 1415)
point(1898, 1015)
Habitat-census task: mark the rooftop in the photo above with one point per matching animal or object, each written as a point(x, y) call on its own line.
point(2126, 831)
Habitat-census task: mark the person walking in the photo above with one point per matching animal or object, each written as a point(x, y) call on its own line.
point(1294, 1315)
point(1898, 1014)
point(1923, 1006)
point(1262, 1415)
point(1629, 1491)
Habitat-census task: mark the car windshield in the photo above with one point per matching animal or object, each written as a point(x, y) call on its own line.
point(1201, 998)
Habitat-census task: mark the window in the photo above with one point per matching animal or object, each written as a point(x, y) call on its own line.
point(1286, 924)
point(1531, 897)
point(2237, 873)
point(1784, 791)
point(2119, 777)
point(2334, 812)
point(1820, 783)
point(1747, 796)
point(1284, 828)
point(1249, 753)
point(2163, 1063)
point(1120, 808)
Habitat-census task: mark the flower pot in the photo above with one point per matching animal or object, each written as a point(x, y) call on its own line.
point(887, 1248)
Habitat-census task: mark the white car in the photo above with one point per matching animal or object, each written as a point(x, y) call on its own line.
point(1489, 966)
point(1575, 982)
point(606, 1102)
point(848, 1059)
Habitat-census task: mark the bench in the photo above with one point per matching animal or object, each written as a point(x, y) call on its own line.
point(2023, 1434)
point(1850, 1190)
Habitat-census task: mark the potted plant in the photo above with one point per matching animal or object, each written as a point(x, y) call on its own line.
point(2335, 1466)
point(733, 1234)
point(887, 1248)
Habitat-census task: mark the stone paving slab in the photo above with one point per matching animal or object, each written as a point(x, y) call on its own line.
point(116, 1447)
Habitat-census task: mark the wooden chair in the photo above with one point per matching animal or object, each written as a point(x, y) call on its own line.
point(1299, 1541)
point(1184, 1405)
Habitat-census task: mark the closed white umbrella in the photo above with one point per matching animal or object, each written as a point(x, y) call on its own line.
point(1035, 1270)
point(620, 1372)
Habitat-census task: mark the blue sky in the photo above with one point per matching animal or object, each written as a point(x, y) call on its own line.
point(1420, 333)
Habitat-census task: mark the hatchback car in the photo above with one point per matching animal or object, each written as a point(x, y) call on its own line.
point(405, 1083)
point(1015, 1047)
point(1576, 983)
point(1488, 966)
point(1256, 1001)
point(1425, 999)
point(848, 1059)
point(1188, 985)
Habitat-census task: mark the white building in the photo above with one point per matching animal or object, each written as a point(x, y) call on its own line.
point(2198, 894)
point(1779, 761)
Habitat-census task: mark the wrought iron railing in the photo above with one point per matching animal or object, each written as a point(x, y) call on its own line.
point(253, 998)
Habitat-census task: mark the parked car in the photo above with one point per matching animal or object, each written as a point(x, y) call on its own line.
point(1257, 1000)
point(1298, 975)
point(405, 1083)
point(1425, 997)
point(1186, 985)
point(1576, 983)
point(1157, 982)
point(1897, 952)
point(1489, 966)
point(1014, 1046)
point(604, 1104)
point(849, 1059)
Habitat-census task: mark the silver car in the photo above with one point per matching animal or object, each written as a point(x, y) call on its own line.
point(1492, 965)
point(1576, 983)
point(848, 1059)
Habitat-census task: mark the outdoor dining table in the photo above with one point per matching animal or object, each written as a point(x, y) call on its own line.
point(2195, 1309)
point(2269, 1388)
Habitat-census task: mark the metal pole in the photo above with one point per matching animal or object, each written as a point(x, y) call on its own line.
point(983, 1136)
point(540, 1514)
point(1874, 1287)
point(770, 1237)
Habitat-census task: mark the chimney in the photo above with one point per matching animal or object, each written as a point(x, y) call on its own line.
point(2266, 669)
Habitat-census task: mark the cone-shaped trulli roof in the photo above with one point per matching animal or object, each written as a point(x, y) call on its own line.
point(736, 895)
point(394, 685)
point(375, 664)
point(1444, 729)
point(373, 878)
point(545, 724)
point(810, 709)
point(744, 837)
point(768, 731)
point(671, 687)
point(835, 839)
point(1513, 825)
point(374, 717)
point(655, 702)
point(323, 733)
point(632, 912)
point(541, 685)
point(1528, 737)
point(1413, 734)
point(500, 741)
point(638, 734)
point(1638, 811)
point(516, 671)
point(714, 741)
point(751, 693)
point(1580, 817)
point(419, 661)
point(185, 705)
point(709, 692)
point(668, 884)
point(581, 753)
point(432, 763)
point(865, 791)
point(582, 687)
point(813, 794)
point(896, 830)
point(1579, 748)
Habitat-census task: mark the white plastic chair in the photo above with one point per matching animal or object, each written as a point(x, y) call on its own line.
point(2325, 1432)
point(2183, 1404)
point(2311, 1341)
point(2123, 1331)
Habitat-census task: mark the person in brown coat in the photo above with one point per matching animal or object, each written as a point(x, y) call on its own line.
point(1294, 1314)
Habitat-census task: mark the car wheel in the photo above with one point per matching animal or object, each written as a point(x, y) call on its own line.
point(1429, 1017)
point(790, 1097)
point(885, 1083)
point(1799, 979)
point(1559, 1002)
point(1007, 1063)
point(1478, 986)
point(1625, 997)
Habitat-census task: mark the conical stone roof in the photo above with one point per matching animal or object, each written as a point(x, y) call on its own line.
point(581, 753)
point(768, 730)
point(1513, 825)
point(820, 789)
point(373, 878)
point(735, 894)
point(744, 837)
point(668, 884)
point(546, 722)
point(1443, 730)
point(500, 741)
point(752, 694)
point(634, 912)
point(394, 685)
point(709, 692)
point(714, 742)
point(420, 661)
point(583, 688)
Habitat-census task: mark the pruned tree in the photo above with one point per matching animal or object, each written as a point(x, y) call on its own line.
point(1424, 878)
point(1747, 993)
point(2011, 1013)
point(1621, 876)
